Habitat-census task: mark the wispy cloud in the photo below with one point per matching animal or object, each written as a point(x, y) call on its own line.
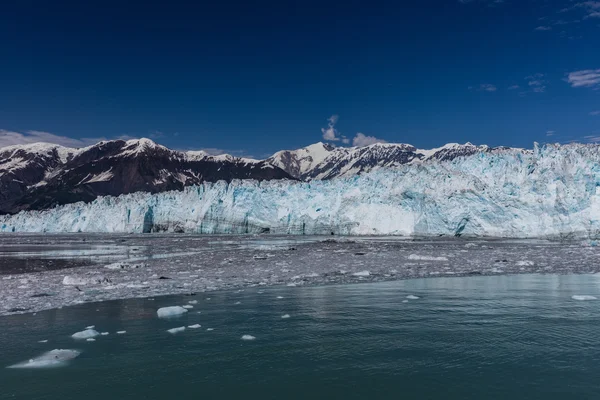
point(363, 140)
point(514, 87)
point(484, 87)
point(543, 28)
point(550, 133)
point(592, 139)
point(594, 113)
point(330, 133)
point(10, 138)
point(585, 78)
point(591, 9)
point(536, 83)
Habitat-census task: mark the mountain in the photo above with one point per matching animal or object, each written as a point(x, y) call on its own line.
point(40, 176)
point(324, 161)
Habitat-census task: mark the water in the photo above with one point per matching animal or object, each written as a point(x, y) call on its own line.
point(518, 337)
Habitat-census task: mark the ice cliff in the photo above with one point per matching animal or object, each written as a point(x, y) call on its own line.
point(549, 191)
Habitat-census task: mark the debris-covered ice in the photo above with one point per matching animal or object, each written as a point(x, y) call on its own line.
point(186, 265)
point(53, 358)
point(86, 334)
point(171, 312)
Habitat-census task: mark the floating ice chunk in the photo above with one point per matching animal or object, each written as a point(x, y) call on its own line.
point(470, 245)
point(121, 332)
point(173, 331)
point(210, 329)
point(195, 326)
point(54, 358)
point(412, 297)
point(362, 273)
point(43, 341)
point(238, 303)
point(248, 337)
point(405, 301)
point(91, 340)
point(90, 327)
point(193, 302)
point(82, 281)
point(584, 297)
point(171, 312)
point(426, 258)
point(124, 265)
point(188, 306)
point(285, 316)
point(279, 297)
point(525, 263)
point(87, 334)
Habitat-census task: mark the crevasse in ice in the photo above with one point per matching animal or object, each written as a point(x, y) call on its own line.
point(549, 191)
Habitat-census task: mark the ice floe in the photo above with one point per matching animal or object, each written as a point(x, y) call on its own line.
point(195, 326)
point(87, 334)
point(171, 312)
point(188, 306)
point(426, 258)
point(248, 337)
point(173, 331)
point(53, 358)
point(121, 332)
point(412, 297)
point(584, 297)
point(362, 273)
point(285, 316)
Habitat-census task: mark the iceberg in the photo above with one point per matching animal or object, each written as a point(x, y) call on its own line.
point(87, 334)
point(54, 358)
point(171, 312)
point(551, 191)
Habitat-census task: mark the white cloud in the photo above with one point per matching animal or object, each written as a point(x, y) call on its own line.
point(363, 140)
point(10, 138)
point(484, 87)
point(514, 87)
point(543, 28)
point(584, 78)
point(550, 133)
point(595, 113)
point(330, 133)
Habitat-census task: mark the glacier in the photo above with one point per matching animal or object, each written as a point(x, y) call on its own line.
point(550, 191)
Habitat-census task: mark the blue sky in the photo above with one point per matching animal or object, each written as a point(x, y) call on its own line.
point(255, 77)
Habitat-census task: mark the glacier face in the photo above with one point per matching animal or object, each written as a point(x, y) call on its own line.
point(549, 192)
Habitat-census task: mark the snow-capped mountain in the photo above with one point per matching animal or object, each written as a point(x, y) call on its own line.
point(324, 161)
point(39, 176)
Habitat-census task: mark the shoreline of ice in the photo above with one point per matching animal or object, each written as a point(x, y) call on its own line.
point(195, 264)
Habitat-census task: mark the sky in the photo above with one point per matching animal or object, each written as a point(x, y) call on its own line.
point(254, 77)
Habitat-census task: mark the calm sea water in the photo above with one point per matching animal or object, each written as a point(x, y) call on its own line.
point(517, 337)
